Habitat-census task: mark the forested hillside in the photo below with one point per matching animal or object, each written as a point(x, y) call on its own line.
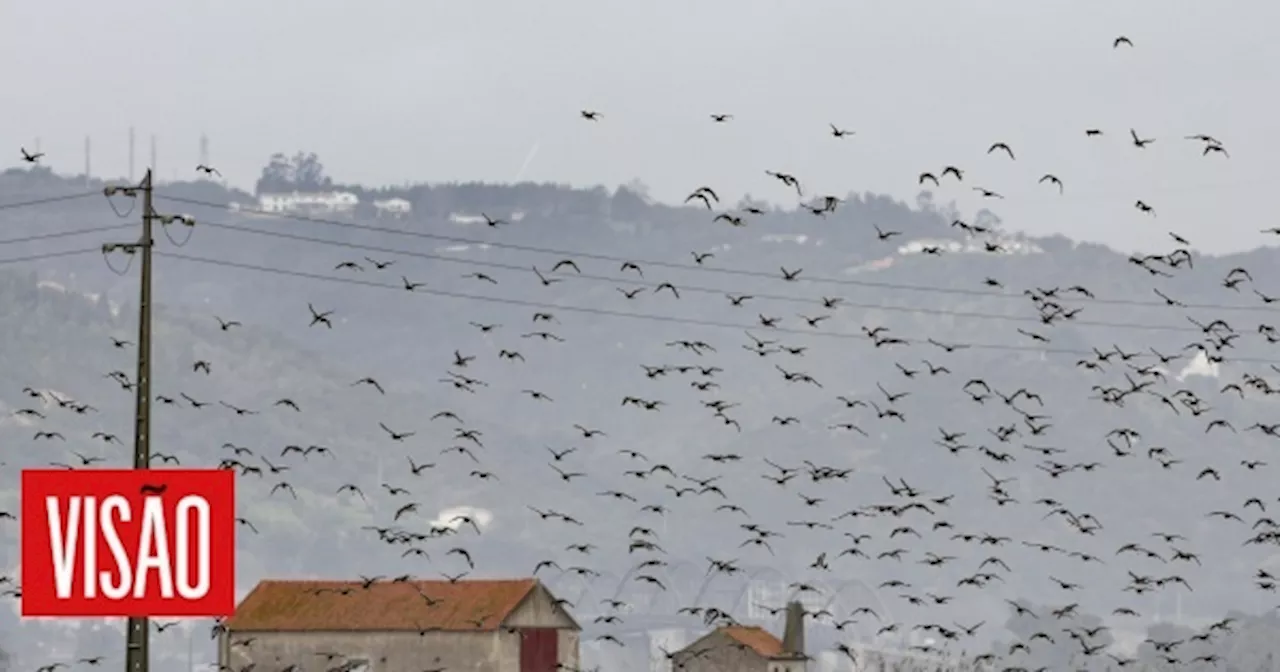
point(624, 319)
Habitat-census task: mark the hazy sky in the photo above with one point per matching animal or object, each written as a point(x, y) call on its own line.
point(394, 91)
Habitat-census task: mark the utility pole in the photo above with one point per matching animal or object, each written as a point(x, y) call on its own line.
point(137, 652)
point(137, 631)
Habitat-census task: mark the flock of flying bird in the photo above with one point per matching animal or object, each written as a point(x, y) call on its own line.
point(940, 531)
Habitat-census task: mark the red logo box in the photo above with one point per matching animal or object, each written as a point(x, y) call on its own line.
point(128, 542)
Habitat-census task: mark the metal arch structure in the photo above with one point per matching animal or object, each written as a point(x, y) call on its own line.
point(712, 578)
point(841, 597)
point(603, 588)
point(656, 597)
point(857, 587)
point(647, 599)
point(623, 585)
point(742, 603)
point(704, 587)
point(564, 583)
point(576, 588)
point(651, 602)
point(759, 572)
point(605, 584)
point(870, 597)
point(673, 576)
point(677, 569)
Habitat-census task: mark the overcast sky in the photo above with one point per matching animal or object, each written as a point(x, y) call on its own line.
point(412, 90)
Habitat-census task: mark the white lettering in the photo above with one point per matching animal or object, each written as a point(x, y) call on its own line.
point(74, 536)
point(108, 517)
point(90, 547)
point(153, 551)
point(200, 507)
point(62, 543)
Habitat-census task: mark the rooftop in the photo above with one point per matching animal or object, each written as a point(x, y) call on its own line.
point(755, 638)
point(345, 606)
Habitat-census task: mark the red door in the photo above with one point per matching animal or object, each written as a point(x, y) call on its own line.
point(539, 649)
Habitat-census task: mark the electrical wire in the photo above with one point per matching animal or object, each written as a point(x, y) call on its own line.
point(489, 264)
point(68, 234)
point(47, 200)
point(133, 204)
point(48, 255)
point(128, 263)
point(572, 254)
point(65, 234)
point(564, 253)
point(164, 226)
point(683, 288)
point(601, 312)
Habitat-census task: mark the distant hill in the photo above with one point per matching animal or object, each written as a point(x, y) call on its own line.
point(983, 310)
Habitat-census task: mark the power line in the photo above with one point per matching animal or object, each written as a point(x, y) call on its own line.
point(606, 312)
point(571, 254)
point(50, 199)
point(602, 312)
point(641, 282)
point(685, 288)
point(646, 283)
point(49, 255)
point(63, 234)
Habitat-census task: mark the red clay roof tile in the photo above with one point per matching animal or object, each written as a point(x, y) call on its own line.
point(755, 638)
point(345, 606)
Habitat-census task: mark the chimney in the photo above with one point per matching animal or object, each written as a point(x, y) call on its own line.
point(793, 631)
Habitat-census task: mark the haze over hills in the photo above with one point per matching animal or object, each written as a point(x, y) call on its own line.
point(1089, 439)
point(962, 441)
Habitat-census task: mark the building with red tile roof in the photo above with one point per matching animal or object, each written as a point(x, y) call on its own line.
point(748, 648)
point(498, 625)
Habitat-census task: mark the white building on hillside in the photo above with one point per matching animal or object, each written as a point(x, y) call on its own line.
point(313, 202)
point(392, 207)
point(467, 219)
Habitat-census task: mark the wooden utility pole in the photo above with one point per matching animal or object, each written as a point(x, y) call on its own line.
point(137, 651)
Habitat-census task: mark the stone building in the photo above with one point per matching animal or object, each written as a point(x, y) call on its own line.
point(741, 648)
point(400, 626)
